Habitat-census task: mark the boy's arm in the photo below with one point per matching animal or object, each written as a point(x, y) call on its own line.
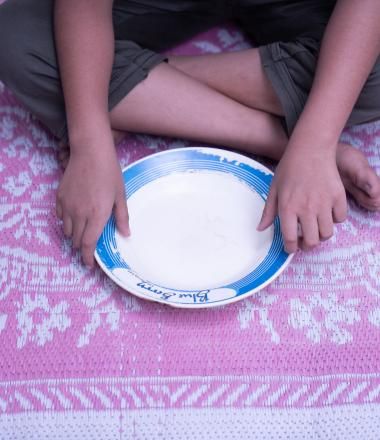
point(92, 184)
point(307, 187)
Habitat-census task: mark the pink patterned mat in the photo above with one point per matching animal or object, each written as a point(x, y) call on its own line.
point(82, 359)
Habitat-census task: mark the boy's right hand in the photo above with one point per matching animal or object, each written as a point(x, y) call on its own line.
point(92, 186)
point(308, 195)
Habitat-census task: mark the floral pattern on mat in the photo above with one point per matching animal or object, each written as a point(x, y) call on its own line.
point(72, 342)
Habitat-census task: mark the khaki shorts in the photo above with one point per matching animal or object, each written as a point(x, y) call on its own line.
point(288, 35)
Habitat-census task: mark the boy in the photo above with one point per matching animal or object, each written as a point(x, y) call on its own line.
point(106, 49)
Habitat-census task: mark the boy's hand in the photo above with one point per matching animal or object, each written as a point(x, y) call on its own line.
point(306, 191)
point(91, 187)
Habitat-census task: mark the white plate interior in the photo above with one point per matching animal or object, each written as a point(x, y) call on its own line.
point(194, 230)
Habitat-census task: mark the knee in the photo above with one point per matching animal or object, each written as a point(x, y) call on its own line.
point(4, 42)
point(24, 28)
point(12, 46)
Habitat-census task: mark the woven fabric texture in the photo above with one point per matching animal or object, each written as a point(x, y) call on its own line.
point(81, 358)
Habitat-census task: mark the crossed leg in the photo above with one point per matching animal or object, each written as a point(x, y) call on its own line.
point(240, 76)
point(172, 103)
point(226, 99)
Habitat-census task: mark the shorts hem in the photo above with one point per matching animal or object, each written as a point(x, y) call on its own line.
point(122, 84)
point(278, 74)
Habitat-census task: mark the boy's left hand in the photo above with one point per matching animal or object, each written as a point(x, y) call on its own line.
point(306, 192)
point(91, 187)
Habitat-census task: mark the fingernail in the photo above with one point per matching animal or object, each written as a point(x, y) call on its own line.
point(127, 231)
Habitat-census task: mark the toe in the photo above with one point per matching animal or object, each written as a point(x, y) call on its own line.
point(363, 199)
point(367, 181)
point(372, 189)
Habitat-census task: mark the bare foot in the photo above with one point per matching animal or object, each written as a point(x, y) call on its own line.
point(359, 179)
point(64, 149)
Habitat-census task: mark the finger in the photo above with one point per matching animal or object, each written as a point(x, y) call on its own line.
point(310, 232)
point(289, 228)
point(340, 210)
point(78, 229)
point(325, 226)
point(90, 237)
point(121, 216)
point(269, 212)
point(67, 226)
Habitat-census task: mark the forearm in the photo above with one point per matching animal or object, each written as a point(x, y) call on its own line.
point(85, 47)
point(349, 50)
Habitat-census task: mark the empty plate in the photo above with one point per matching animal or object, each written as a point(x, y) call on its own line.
point(193, 218)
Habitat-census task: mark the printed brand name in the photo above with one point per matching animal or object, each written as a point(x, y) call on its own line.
point(200, 296)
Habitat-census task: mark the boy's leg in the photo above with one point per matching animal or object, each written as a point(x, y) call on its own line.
point(27, 59)
point(156, 106)
point(172, 103)
point(240, 75)
point(193, 110)
point(29, 68)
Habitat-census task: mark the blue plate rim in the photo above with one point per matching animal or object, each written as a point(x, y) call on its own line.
point(225, 156)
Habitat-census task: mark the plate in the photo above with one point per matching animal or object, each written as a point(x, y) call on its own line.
point(193, 218)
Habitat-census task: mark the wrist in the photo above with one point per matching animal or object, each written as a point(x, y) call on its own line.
point(318, 138)
point(318, 127)
point(91, 136)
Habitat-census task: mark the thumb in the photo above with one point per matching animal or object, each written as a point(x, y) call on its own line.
point(269, 212)
point(121, 215)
